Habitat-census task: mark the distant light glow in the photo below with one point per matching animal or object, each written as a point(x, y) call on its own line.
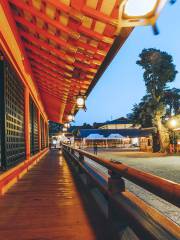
point(54, 142)
point(64, 129)
point(70, 117)
point(139, 7)
point(67, 125)
point(173, 123)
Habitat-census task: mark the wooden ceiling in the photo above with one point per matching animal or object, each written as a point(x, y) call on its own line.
point(68, 44)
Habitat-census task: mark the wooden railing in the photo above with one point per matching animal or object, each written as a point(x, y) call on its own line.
point(122, 208)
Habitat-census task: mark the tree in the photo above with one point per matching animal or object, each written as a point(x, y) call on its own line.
point(141, 113)
point(172, 101)
point(159, 70)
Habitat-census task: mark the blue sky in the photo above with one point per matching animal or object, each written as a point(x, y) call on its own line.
point(121, 86)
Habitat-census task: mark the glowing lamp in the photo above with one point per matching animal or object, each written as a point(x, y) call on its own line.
point(66, 125)
point(134, 13)
point(64, 129)
point(80, 101)
point(140, 8)
point(70, 117)
point(173, 123)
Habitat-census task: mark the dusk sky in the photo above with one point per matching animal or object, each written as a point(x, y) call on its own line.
point(122, 85)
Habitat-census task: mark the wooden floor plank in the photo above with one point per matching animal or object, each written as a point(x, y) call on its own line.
point(47, 204)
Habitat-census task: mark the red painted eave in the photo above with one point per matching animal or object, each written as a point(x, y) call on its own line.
point(66, 46)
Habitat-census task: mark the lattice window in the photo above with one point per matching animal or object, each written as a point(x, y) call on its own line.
point(34, 140)
point(14, 117)
point(47, 135)
point(42, 133)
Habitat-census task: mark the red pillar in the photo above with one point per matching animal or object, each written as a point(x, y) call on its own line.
point(27, 124)
point(45, 133)
point(39, 130)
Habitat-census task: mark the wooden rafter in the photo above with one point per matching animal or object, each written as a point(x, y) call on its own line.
point(65, 46)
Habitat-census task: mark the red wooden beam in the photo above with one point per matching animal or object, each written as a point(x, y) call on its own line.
point(51, 91)
point(76, 64)
point(93, 13)
point(69, 47)
point(68, 58)
point(73, 89)
point(42, 89)
point(65, 57)
point(44, 82)
point(46, 34)
point(36, 50)
point(49, 72)
point(73, 33)
point(48, 64)
point(46, 55)
point(36, 13)
point(50, 57)
point(50, 78)
point(78, 15)
point(45, 64)
point(91, 34)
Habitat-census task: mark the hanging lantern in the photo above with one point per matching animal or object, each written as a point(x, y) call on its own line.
point(64, 129)
point(67, 125)
point(134, 13)
point(80, 101)
point(140, 8)
point(70, 118)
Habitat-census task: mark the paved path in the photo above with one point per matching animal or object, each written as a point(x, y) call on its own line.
point(46, 205)
point(166, 167)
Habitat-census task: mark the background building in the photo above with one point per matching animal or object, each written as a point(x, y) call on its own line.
point(120, 123)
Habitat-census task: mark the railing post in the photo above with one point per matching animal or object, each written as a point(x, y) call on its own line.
point(83, 175)
point(81, 158)
point(116, 185)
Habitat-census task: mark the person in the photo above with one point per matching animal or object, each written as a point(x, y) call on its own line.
point(95, 148)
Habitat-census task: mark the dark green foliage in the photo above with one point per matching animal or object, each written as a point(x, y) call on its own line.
point(142, 113)
point(158, 71)
point(172, 101)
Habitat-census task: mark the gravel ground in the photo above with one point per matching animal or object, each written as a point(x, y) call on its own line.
point(165, 166)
